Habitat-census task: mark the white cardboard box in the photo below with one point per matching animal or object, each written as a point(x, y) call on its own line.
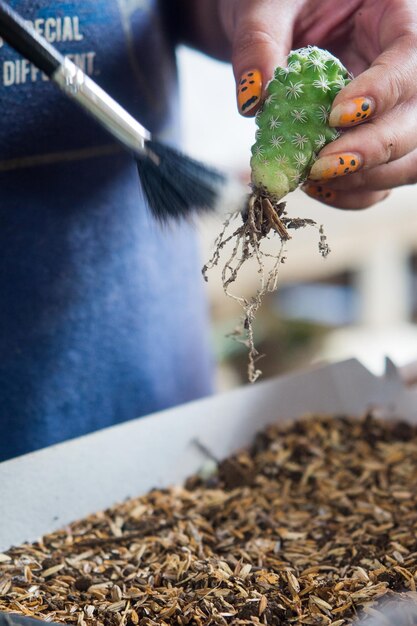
point(45, 490)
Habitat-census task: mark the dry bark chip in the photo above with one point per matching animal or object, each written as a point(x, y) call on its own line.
point(312, 525)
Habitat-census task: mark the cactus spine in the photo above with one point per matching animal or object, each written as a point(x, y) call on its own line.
point(292, 123)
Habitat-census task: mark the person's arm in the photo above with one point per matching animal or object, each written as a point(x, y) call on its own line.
point(252, 34)
point(198, 24)
point(375, 40)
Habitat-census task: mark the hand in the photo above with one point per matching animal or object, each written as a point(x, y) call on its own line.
point(377, 41)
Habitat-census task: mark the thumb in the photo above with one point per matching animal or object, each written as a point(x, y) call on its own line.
point(261, 35)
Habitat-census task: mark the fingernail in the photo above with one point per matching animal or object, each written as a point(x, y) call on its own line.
point(249, 92)
point(319, 192)
point(334, 165)
point(351, 113)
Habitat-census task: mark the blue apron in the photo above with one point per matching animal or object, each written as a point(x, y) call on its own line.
point(102, 311)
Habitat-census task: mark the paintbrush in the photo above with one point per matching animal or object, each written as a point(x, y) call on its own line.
point(174, 184)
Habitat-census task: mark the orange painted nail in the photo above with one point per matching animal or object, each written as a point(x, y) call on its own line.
point(319, 192)
point(352, 113)
point(335, 165)
point(249, 92)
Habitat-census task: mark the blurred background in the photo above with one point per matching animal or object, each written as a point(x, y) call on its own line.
point(359, 302)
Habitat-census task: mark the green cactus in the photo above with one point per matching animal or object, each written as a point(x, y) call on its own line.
point(292, 129)
point(292, 123)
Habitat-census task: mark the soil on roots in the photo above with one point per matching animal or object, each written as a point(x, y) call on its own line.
point(262, 219)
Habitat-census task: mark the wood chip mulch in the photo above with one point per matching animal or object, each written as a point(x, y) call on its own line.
point(312, 524)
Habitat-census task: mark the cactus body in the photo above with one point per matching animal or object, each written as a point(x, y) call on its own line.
point(292, 123)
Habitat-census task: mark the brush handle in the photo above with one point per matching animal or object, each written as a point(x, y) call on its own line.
point(72, 81)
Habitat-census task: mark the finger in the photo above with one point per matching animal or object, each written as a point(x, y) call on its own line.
point(350, 200)
point(395, 174)
point(392, 27)
point(262, 38)
point(382, 140)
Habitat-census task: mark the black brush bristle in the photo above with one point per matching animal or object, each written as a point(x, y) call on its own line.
point(175, 185)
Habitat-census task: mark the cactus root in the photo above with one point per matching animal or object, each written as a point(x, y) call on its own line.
point(263, 218)
point(292, 129)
